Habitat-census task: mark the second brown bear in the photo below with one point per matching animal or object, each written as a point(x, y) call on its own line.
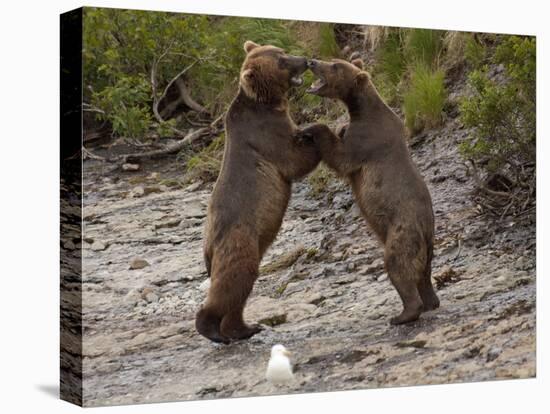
point(373, 156)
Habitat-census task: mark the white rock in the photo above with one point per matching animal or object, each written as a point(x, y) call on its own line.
point(138, 263)
point(151, 297)
point(204, 286)
point(130, 167)
point(137, 192)
point(69, 245)
point(279, 368)
point(382, 277)
point(98, 246)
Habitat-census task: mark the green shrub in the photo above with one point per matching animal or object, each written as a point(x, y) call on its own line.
point(502, 115)
point(424, 99)
point(120, 47)
point(125, 106)
point(474, 52)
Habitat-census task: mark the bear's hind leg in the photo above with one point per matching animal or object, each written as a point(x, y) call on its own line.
point(427, 293)
point(235, 295)
point(399, 272)
point(425, 286)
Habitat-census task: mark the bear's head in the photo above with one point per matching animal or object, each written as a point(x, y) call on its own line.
point(338, 78)
point(268, 72)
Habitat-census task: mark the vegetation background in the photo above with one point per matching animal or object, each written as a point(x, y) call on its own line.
point(133, 58)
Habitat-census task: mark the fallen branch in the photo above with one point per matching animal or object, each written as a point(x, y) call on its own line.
point(211, 129)
point(177, 83)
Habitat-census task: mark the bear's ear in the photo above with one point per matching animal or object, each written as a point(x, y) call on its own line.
point(358, 63)
point(362, 78)
point(249, 45)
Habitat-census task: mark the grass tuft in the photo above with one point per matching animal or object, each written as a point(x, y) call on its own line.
point(206, 164)
point(319, 180)
point(423, 46)
point(424, 100)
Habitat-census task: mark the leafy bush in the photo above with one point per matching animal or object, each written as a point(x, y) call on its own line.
point(424, 99)
point(125, 105)
point(474, 52)
point(502, 115)
point(121, 46)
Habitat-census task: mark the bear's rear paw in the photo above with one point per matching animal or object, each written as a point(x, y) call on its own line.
point(408, 315)
point(208, 325)
point(243, 332)
point(431, 304)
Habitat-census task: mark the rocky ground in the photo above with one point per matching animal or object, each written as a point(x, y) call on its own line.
point(323, 292)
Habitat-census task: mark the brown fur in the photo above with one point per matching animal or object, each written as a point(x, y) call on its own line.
point(372, 154)
point(260, 161)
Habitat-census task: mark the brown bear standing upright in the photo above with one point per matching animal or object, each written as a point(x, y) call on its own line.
point(260, 161)
point(388, 188)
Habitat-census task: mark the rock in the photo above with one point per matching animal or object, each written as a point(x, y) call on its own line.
point(193, 187)
point(130, 167)
point(138, 263)
point(132, 297)
point(344, 280)
point(195, 210)
point(300, 311)
point(168, 224)
point(69, 245)
point(204, 286)
point(154, 176)
point(273, 320)
point(315, 299)
point(411, 344)
point(523, 263)
point(137, 192)
point(493, 353)
point(382, 278)
point(152, 189)
point(315, 228)
point(98, 246)
point(376, 266)
point(151, 297)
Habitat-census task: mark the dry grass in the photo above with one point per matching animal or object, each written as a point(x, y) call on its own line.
point(373, 36)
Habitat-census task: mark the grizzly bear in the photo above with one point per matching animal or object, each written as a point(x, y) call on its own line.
point(260, 161)
point(373, 155)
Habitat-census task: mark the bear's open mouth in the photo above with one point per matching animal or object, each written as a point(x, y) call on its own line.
point(296, 80)
point(317, 85)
